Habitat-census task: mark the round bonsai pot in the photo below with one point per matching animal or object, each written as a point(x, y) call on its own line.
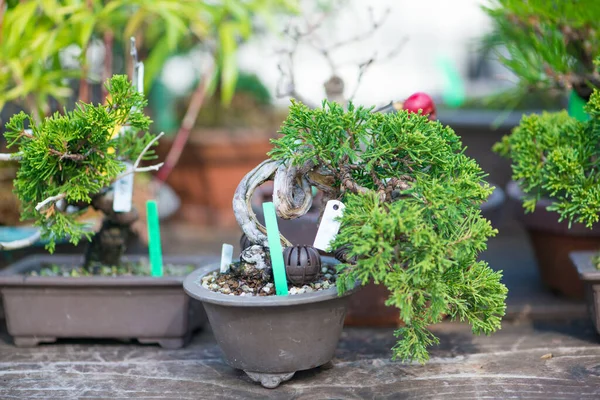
point(367, 307)
point(272, 337)
point(552, 242)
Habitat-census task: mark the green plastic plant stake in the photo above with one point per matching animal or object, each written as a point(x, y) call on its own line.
point(454, 90)
point(155, 250)
point(281, 288)
point(577, 107)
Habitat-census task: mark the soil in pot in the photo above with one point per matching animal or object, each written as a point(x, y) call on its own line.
point(272, 337)
point(552, 242)
point(44, 302)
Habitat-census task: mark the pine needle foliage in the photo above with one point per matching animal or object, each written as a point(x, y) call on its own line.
point(550, 43)
point(423, 240)
point(77, 154)
point(555, 156)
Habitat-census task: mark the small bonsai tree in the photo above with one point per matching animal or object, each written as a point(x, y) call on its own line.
point(68, 162)
point(412, 218)
point(554, 45)
point(556, 156)
point(550, 44)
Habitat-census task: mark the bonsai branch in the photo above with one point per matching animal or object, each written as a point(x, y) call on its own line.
point(50, 200)
point(10, 156)
point(136, 167)
point(242, 207)
point(292, 194)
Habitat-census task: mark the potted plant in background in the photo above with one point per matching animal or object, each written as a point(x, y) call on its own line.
point(51, 50)
point(550, 46)
point(411, 221)
point(66, 164)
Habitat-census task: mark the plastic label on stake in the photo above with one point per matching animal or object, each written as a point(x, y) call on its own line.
point(281, 288)
point(330, 225)
point(123, 191)
point(226, 257)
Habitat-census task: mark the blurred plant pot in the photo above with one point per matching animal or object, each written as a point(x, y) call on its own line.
point(367, 307)
point(552, 242)
point(212, 164)
point(272, 337)
point(44, 308)
point(590, 276)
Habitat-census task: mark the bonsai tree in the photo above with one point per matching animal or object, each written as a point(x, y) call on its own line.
point(554, 45)
point(412, 218)
point(550, 44)
point(68, 162)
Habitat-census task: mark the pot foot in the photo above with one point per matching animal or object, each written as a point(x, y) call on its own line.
point(32, 341)
point(270, 381)
point(165, 343)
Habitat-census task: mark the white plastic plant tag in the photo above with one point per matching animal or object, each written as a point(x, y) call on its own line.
point(329, 227)
point(226, 257)
point(123, 191)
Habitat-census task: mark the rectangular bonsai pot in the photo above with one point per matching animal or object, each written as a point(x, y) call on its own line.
point(152, 310)
point(590, 276)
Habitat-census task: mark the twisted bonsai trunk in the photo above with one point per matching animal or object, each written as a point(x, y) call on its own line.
point(109, 244)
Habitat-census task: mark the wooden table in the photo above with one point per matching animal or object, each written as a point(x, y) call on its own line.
point(508, 364)
point(513, 363)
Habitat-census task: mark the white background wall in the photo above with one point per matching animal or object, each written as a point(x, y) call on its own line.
point(435, 28)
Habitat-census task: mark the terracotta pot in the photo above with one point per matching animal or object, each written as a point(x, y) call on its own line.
point(272, 337)
point(209, 170)
point(42, 309)
point(590, 276)
point(552, 242)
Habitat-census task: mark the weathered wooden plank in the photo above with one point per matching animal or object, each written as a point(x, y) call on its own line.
point(506, 365)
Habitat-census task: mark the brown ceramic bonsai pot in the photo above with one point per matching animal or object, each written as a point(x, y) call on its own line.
point(367, 307)
point(272, 337)
point(552, 242)
point(590, 276)
point(42, 309)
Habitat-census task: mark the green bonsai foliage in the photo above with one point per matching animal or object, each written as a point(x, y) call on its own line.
point(556, 156)
point(550, 43)
point(412, 218)
point(71, 158)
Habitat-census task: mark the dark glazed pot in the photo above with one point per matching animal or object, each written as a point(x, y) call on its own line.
point(152, 310)
point(590, 276)
point(272, 337)
point(552, 242)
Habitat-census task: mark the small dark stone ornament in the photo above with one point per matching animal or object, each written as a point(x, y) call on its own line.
point(302, 264)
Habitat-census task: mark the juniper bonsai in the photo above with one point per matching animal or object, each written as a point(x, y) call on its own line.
point(412, 218)
point(67, 162)
point(556, 156)
point(550, 44)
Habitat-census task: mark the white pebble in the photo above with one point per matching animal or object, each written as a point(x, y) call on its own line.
point(324, 270)
point(214, 286)
point(266, 289)
point(328, 276)
point(246, 288)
